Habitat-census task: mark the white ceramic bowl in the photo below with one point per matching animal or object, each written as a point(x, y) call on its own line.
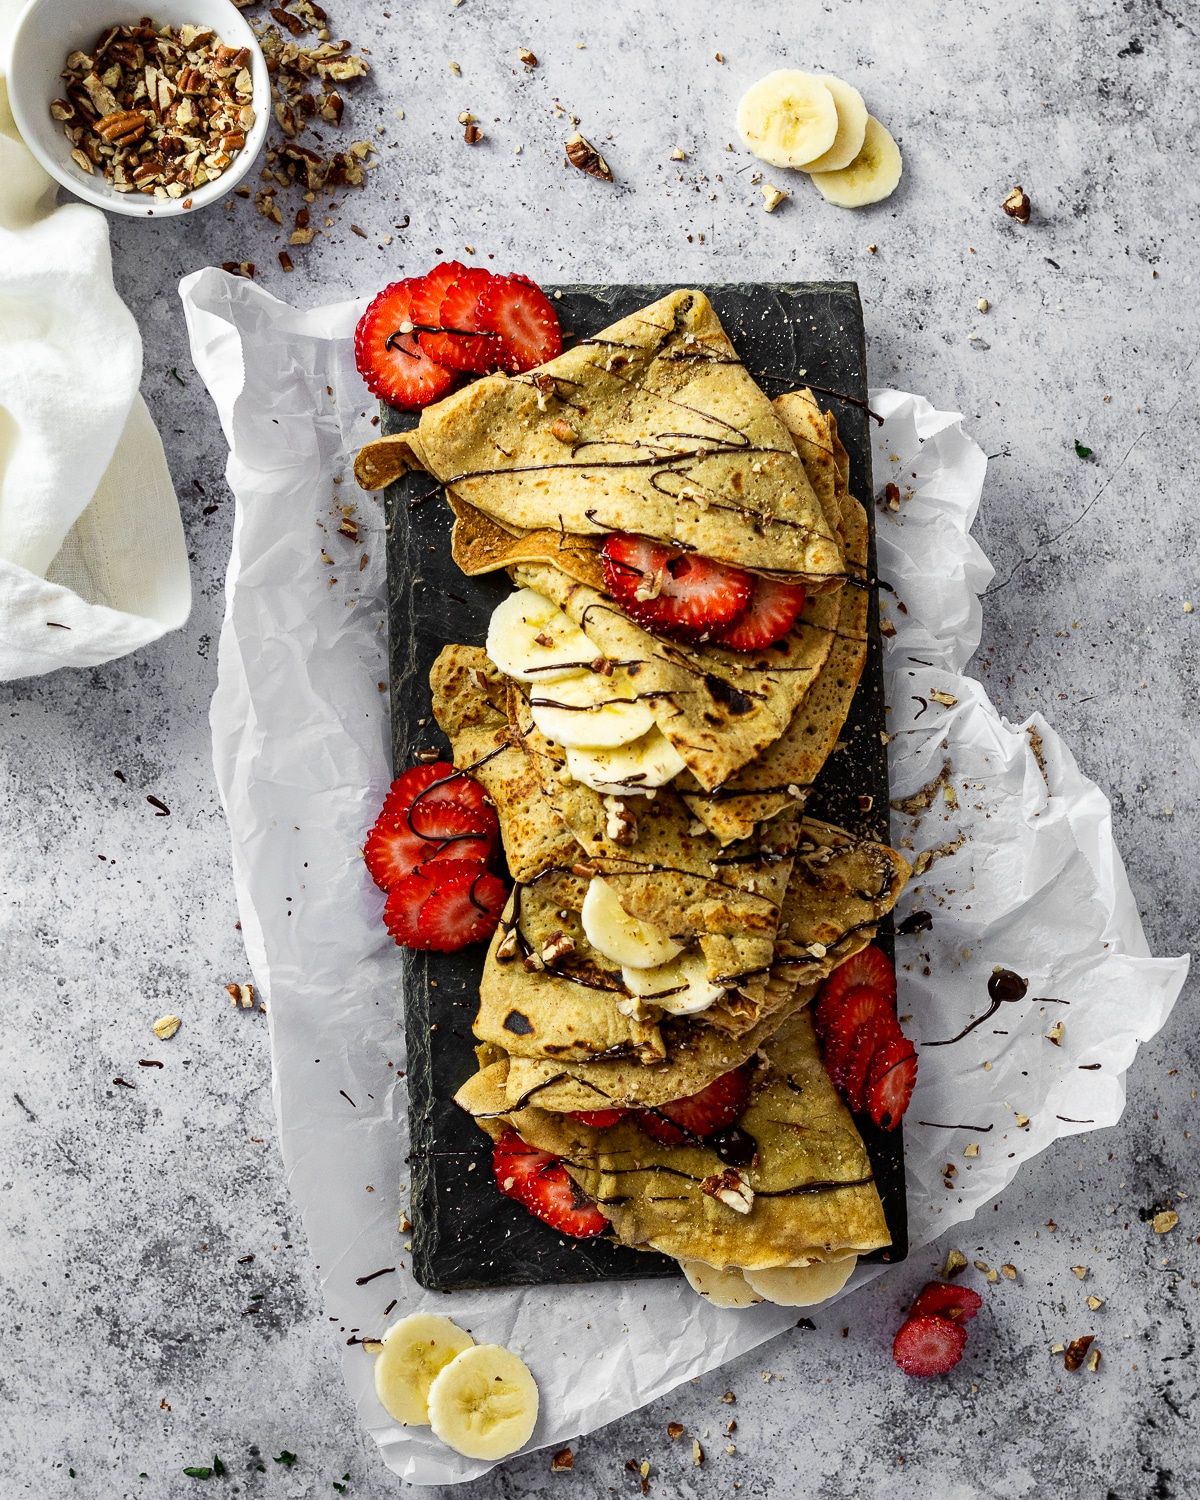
point(47, 31)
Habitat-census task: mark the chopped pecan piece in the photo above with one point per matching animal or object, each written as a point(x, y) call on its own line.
point(582, 154)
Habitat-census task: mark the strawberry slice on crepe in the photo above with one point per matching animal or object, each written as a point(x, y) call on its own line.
point(541, 1183)
point(670, 592)
point(697, 1116)
point(773, 609)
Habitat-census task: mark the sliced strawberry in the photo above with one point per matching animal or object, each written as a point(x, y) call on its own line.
point(393, 850)
point(543, 1185)
point(852, 1070)
point(852, 1010)
point(417, 796)
point(463, 906)
point(938, 1299)
point(929, 1346)
point(388, 356)
point(773, 609)
point(429, 292)
point(699, 1115)
point(404, 902)
point(869, 966)
point(891, 1081)
point(598, 1119)
point(462, 344)
point(524, 319)
point(672, 592)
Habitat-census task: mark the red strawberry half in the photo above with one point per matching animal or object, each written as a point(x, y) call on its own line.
point(870, 966)
point(598, 1119)
point(938, 1299)
point(891, 1081)
point(840, 1022)
point(699, 1115)
point(852, 1070)
point(773, 609)
point(388, 356)
point(672, 592)
point(393, 850)
point(429, 292)
point(543, 1185)
point(417, 794)
point(929, 1346)
point(463, 907)
point(522, 317)
point(463, 344)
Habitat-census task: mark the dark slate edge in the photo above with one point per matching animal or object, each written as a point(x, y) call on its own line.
point(462, 1236)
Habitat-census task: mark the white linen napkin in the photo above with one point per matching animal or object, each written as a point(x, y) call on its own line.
point(93, 561)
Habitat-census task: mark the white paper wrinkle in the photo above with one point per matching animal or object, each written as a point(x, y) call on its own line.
point(300, 748)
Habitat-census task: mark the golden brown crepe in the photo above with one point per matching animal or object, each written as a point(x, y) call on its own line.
point(812, 1192)
point(653, 425)
point(480, 545)
point(760, 789)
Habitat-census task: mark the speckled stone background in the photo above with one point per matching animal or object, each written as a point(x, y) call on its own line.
point(137, 1336)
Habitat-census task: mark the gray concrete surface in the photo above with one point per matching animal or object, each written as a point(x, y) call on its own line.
point(136, 1337)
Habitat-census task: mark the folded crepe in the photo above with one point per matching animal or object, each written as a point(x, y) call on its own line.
point(653, 425)
point(718, 708)
point(781, 774)
point(810, 1194)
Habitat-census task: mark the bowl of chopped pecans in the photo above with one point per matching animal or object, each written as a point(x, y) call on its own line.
point(146, 115)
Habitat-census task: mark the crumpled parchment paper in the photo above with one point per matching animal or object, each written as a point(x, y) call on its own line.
point(1027, 878)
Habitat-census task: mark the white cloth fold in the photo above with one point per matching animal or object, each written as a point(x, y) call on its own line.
point(93, 560)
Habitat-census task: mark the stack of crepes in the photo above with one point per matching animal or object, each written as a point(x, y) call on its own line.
point(687, 848)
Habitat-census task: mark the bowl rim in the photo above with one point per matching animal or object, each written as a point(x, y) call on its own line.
point(233, 28)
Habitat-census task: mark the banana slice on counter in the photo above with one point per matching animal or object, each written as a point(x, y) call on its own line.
point(618, 936)
point(648, 762)
point(484, 1404)
point(589, 711)
point(872, 176)
point(721, 1288)
point(802, 1286)
point(852, 127)
point(530, 638)
point(679, 987)
point(788, 118)
point(414, 1350)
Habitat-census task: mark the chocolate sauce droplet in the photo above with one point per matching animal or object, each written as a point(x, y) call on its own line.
point(1005, 985)
point(734, 1146)
point(916, 921)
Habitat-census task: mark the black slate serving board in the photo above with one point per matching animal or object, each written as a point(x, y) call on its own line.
point(465, 1234)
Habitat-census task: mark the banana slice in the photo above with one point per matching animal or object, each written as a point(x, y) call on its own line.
point(647, 762)
point(484, 1404)
point(721, 1288)
point(618, 936)
point(851, 131)
point(530, 638)
point(802, 1286)
point(788, 118)
point(679, 987)
point(589, 711)
point(414, 1350)
point(870, 177)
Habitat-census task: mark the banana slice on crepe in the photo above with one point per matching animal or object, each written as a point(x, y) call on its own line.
point(852, 127)
point(679, 987)
point(638, 766)
point(484, 1403)
point(530, 638)
point(721, 1288)
point(802, 1286)
point(618, 936)
point(788, 118)
point(590, 711)
point(872, 176)
point(415, 1350)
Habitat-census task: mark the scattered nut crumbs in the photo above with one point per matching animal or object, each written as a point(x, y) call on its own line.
point(1164, 1221)
point(1017, 205)
point(1080, 1271)
point(583, 155)
point(241, 994)
point(697, 1453)
point(1095, 1302)
point(160, 112)
point(1076, 1351)
point(1055, 1034)
point(1093, 1361)
point(372, 1346)
point(527, 57)
point(1008, 1271)
point(729, 1398)
point(948, 700)
point(166, 1027)
point(674, 1430)
point(772, 197)
point(956, 1264)
point(972, 1149)
point(562, 1462)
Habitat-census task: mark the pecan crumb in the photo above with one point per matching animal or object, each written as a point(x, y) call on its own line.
point(956, 1264)
point(1076, 1351)
point(1017, 205)
point(527, 57)
point(674, 1430)
point(582, 154)
point(166, 1027)
point(562, 1462)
